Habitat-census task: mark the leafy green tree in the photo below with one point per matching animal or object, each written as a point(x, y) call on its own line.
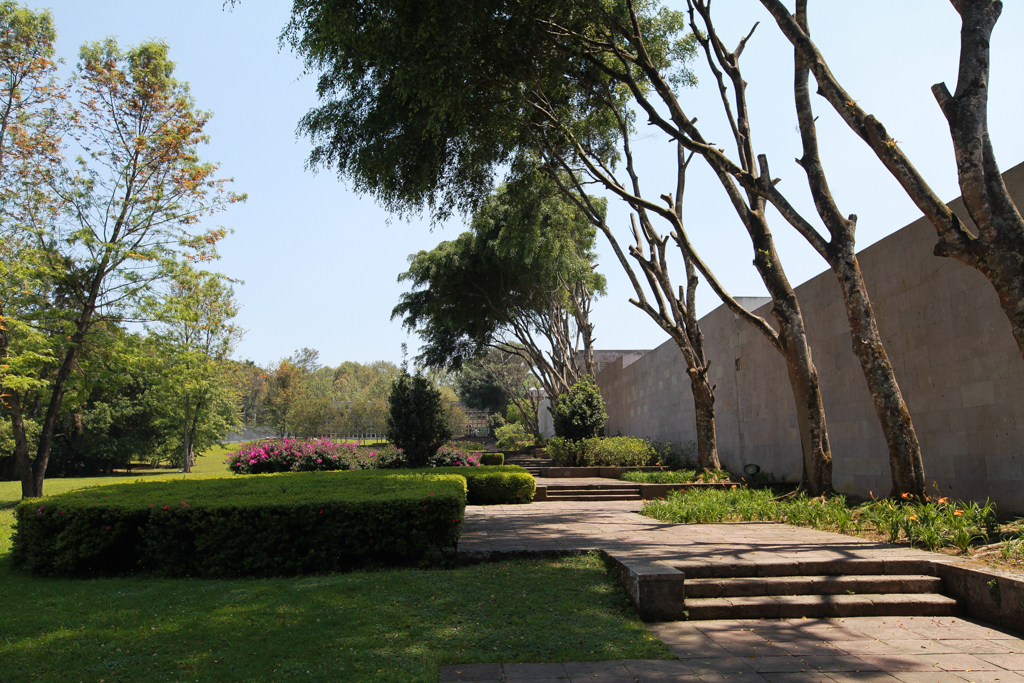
point(429, 123)
point(193, 325)
point(416, 419)
point(284, 387)
point(115, 220)
point(478, 389)
point(580, 414)
point(521, 281)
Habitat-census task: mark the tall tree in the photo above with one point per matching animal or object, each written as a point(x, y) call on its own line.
point(837, 247)
point(193, 324)
point(560, 80)
point(30, 95)
point(120, 214)
point(997, 250)
point(521, 281)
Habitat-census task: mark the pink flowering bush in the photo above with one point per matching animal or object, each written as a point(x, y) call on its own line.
point(447, 456)
point(312, 455)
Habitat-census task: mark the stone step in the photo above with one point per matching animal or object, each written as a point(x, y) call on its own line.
point(593, 487)
point(594, 493)
point(812, 585)
point(814, 606)
point(584, 498)
point(729, 567)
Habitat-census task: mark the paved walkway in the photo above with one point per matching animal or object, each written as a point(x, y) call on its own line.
point(860, 650)
point(615, 526)
point(854, 650)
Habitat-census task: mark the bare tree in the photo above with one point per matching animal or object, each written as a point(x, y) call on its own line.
point(997, 250)
point(619, 52)
point(838, 249)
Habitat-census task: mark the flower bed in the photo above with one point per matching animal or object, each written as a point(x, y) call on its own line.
point(271, 525)
point(312, 455)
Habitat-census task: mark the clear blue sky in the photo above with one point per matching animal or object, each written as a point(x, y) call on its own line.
point(320, 263)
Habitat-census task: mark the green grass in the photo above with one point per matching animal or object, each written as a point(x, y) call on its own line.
point(372, 627)
point(932, 524)
point(707, 506)
point(366, 627)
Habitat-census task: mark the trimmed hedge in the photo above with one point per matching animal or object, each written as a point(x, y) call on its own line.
point(615, 451)
point(495, 485)
point(492, 458)
point(261, 525)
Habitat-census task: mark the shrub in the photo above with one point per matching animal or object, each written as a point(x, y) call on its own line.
point(271, 525)
point(619, 451)
point(447, 456)
point(286, 455)
point(678, 477)
point(502, 485)
point(676, 456)
point(567, 453)
point(295, 455)
point(383, 457)
point(616, 451)
point(494, 421)
point(513, 437)
point(492, 458)
point(579, 414)
point(416, 420)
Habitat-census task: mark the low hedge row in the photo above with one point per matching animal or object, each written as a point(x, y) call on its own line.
point(492, 458)
point(494, 485)
point(615, 451)
point(262, 525)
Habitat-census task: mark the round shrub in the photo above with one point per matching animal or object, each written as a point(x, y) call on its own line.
point(492, 458)
point(580, 413)
point(494, 422)
point(513, 436)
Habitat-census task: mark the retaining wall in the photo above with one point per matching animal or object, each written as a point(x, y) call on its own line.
point(949, 342)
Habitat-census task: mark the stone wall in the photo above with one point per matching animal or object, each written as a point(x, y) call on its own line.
point(949, 342)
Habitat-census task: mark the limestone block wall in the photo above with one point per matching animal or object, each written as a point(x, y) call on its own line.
point(949, 342)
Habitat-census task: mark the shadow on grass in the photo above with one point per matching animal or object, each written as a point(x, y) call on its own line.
point(371, 626)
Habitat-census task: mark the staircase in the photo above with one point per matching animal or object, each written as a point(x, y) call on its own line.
point(592, 492)
point(531, 465)
point(815, 589)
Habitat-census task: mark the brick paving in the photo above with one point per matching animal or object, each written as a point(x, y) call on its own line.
point(855, 650)
point(851, 650)
point(616, 526)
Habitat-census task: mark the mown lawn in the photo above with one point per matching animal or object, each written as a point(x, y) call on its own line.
point(393, 626)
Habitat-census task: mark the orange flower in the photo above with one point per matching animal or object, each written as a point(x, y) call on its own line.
point(906, 495)
point(943, 500)
point(958, 513)
point(913, 518)
point(734, 486)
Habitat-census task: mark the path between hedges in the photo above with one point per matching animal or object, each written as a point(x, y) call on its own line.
point(851, 650)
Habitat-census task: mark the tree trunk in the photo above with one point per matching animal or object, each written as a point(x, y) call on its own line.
point(704, 405)
point(816, 478)
point(905, 463)
point(30, 488)
point(803, 376)
point(186, 446)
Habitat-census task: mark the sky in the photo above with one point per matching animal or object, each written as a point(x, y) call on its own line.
point(320, 263)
